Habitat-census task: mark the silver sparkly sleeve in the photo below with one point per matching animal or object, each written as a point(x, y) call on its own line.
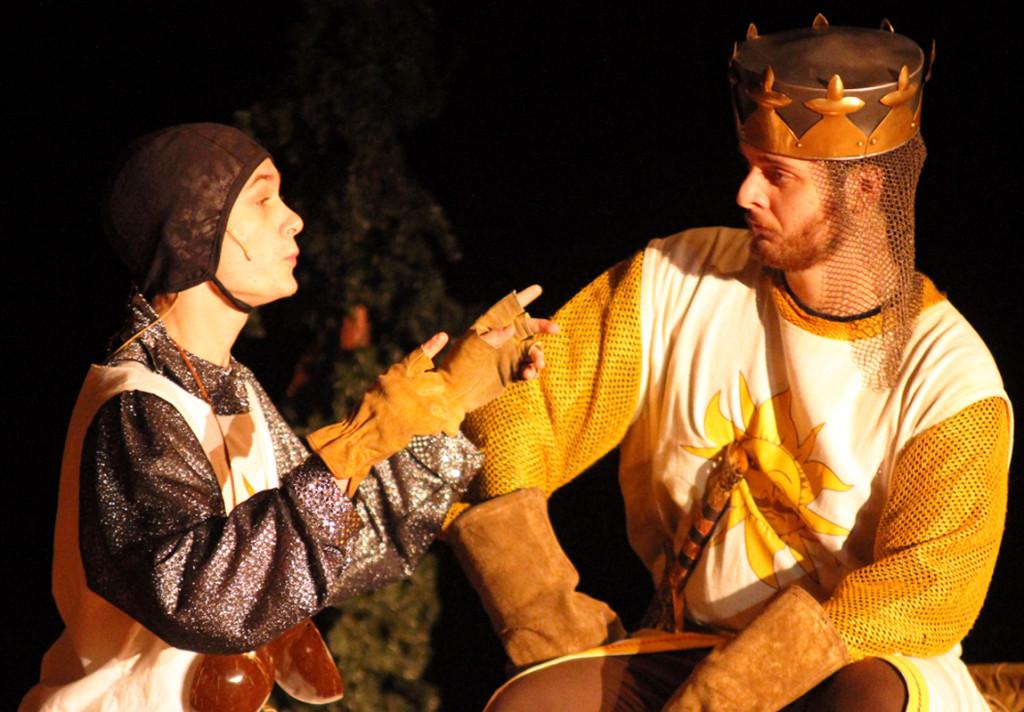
point(403, 503)
point(155, 540)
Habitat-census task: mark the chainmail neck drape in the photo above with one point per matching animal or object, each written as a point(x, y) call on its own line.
point(869, 207)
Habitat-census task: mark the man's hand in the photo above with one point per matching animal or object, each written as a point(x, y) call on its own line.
point(532, 362)
point(412, 398)
point(498, 349)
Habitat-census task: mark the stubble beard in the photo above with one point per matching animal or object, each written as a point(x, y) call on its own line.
point(794, 252)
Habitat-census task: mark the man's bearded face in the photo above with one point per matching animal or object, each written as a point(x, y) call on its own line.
point(784, 211)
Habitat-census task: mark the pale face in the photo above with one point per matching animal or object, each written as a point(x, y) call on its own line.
point(259, 252)
point(784, 211)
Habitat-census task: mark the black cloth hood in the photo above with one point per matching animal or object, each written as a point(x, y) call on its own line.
point(169, 202)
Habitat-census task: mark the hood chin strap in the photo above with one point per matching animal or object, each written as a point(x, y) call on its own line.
point(235, 301)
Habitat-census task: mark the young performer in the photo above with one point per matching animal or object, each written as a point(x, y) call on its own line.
point(193, 527)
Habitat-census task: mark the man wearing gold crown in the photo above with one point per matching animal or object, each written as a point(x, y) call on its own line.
point(864, 418)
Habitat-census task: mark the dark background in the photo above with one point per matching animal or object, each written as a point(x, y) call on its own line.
point(568, 139)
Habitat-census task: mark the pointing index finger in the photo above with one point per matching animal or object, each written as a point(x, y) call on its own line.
point(528, 295)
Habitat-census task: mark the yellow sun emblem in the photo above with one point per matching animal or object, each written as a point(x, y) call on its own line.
point(771, 501)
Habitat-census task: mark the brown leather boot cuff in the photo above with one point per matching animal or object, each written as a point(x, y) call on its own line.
point(789, 648)
point(509, 552)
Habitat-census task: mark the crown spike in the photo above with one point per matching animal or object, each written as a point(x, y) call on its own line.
point(765, 95)
point(820, 22)
point(835, 88)
point(905, 91)
point(904, 79)
point(886, 25)
point(835, 103)
point(752, 31)
point(931, 63)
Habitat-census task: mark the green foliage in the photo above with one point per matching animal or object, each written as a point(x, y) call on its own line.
point(362, 73)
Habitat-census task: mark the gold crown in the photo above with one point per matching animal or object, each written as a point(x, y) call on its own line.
point(791, 97)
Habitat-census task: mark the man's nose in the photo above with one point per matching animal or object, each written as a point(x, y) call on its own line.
point(295, 224)
point(751, 193)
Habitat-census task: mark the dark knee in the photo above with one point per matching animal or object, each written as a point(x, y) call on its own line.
point(867, 684)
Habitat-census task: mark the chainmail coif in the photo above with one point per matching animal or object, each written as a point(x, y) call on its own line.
point(869, 205)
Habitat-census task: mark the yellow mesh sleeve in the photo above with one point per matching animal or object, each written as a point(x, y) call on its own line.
point(544, 432)
point(937, 540)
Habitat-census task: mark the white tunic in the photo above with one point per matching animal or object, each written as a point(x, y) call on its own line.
point(720, 364)
point(105, 659)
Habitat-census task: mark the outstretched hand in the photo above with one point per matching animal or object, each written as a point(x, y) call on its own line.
point(498, 349)
point(532, 362)
point(413, 398)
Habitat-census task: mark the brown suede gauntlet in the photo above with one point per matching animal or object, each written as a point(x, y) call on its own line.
point(788, 649)
point(478, 372)
point(408, 399)
point(527, 585)
point(412, 398)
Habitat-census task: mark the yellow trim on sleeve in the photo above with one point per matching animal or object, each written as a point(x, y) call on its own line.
point(917, 688)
